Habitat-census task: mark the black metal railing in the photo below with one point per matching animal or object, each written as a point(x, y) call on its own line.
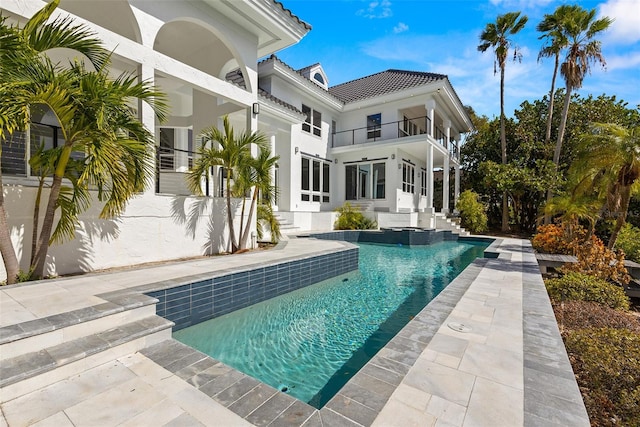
point(172, 165)
point(391, 130)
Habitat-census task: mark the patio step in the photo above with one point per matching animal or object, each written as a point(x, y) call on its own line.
point(119, 308)
point(286, 227)
point(445, 223)
point(31, 371)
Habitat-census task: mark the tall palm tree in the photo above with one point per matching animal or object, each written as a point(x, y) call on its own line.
point(608, 165)
point(579, 29)
point(552, 27)
point(21, 46)
point(496, 36)
point(95, 120)
point(228, 151)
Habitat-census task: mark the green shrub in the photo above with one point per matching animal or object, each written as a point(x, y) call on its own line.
point(582, 287)
point(606, 363)
point(472, 215)
point(350, 218)
point(574, 315)
point(629, 241)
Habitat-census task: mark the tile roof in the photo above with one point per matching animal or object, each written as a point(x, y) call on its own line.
point(300, 21)
point(382, 83)
point(237, 79)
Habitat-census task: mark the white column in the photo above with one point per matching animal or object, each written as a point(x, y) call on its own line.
point(252, 126)
point(272, 142)
point(429, 173)
point(446, 167)
point(456, 185)
point(445, 185)
point(430, 106)
point(148, 119)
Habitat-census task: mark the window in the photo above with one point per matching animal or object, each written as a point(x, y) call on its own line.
point(318, 77)
point(423, 180)
point(166, 149)
point(408, 177)
point(306, 126)
point(374, 123)
point(313, 120)
point(305, 179)
point(365, 181)
point(315, 180)
point(379, 180)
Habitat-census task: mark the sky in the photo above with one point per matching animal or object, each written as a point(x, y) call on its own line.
point(356, 38)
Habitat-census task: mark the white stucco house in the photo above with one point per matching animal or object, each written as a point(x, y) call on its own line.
point(374, 141)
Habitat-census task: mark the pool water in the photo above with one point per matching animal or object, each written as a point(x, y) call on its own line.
point(310, 342)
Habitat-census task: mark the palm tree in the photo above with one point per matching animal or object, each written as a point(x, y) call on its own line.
point(496, 36)
point(256, 173)
point(552, 27)
point(608, 164)
point(229, 152)
point(578, 29)
point(95, 120)
point(21, 46)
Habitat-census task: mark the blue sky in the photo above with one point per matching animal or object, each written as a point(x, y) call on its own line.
point(355, 38)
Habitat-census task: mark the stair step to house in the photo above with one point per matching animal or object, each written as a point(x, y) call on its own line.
point(35, 335)
point(30, 371)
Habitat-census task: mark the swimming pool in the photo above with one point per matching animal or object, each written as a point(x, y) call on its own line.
point(309, 342)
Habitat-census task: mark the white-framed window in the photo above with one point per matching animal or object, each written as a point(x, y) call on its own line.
point(408, 177)
point(313, 121)
point(315, 180)
point(374, 125)
point(423, 181)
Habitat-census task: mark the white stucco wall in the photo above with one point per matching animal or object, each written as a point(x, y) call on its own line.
point(153, 228)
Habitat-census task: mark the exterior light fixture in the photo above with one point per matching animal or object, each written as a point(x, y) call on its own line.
point(295, 150)
point(336, 161)
point(255, 108)
point(393, 156)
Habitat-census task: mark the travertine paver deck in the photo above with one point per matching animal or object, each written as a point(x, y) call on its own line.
point(486, 352)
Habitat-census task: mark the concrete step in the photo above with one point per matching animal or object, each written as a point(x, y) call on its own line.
point(32, 336)
point(31, 371)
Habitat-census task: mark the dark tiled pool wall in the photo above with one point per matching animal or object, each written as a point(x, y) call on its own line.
point(196, 302)
point(408, 237)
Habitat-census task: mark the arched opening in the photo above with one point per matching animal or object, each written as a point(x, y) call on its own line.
point(114, 15)
point(195, 45)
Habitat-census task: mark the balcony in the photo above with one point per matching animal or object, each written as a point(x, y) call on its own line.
point(390, 131)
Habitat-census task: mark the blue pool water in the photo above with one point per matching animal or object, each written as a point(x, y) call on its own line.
point(311, 341)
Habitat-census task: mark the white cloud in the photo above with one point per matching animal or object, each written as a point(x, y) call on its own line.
point(400, 28)
point(625, 28)
point(623, 62)
point(377, 9)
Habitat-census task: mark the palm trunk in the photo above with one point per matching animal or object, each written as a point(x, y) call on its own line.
point(241, 233)
point(503, 147)
point(561, 128)
point(232, 234)
point(245, 235)
point(547, 137)
point(36, 217)
point(6, 246)
point(622, 216)
point(42, 248)
point(557, 151)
